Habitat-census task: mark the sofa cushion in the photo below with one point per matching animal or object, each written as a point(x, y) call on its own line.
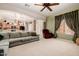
point(14, 35)
point(21, 38)
point(34, 37)
point(32, 34)
point(24, 34)
point(5, 35)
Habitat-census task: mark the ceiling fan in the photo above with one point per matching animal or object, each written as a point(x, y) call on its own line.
point(47, 5)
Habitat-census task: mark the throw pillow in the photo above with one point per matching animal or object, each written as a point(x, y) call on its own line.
point(33, 34)
point(1, 37)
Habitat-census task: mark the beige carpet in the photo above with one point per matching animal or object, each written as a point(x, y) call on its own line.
point(46, 47)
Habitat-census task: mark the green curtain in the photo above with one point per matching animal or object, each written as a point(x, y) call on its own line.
point(58, 20)
point(72, 20)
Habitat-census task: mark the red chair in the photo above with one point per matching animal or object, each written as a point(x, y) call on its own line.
point(47, 34)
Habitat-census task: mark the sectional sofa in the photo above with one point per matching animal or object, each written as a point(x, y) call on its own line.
point(19, 38)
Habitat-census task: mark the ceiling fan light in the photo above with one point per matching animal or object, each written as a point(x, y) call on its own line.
point(47, 5)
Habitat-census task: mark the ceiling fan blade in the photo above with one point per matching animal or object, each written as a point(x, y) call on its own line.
point(49, 8)
point(43, 9)
point(53, 4)
point(38, 4)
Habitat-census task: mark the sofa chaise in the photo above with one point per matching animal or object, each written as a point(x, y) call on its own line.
point(19, 38)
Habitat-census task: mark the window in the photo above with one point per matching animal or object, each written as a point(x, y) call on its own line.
point(64, 29)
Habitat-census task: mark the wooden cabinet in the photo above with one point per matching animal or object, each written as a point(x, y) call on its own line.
point(77, 41)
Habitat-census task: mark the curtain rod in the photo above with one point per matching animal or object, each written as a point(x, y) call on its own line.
point(67, 12)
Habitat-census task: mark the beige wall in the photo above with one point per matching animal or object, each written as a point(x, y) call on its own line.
point(39, 27)
point(51, 23)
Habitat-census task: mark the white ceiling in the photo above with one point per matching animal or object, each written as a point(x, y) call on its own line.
point(34, 10)
point(56, 9)
point(13, 16)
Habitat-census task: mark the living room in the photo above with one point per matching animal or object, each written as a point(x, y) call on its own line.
point(28, 28)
